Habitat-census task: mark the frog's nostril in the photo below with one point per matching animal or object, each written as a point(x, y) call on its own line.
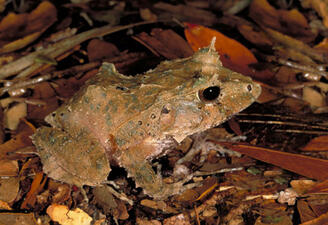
point(165, 110)
point(249, 87)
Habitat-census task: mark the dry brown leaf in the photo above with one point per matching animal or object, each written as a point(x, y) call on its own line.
point(147, 15)
point(4, 206)
point(105, 199)
point(64, 216)
point(230, 7)
point(36, 186)
point(98, 49)
point(17, 219)
point(9, 188)
point(188, 13)
point(305, 211)
point(26, 64)
point(17, 31)
point(323, 45)
point(307, 166)
point(286, 75)
point(38, 112)
point(20, 43)
point(2, 5)
point(290, 22)
point(291, 42)
point(257, 37)
point(233, 55)
point(166, 43)
point(313, 97)
point(21, 140)
point(143, 221)
point(302, 186)
point(100, 222)
point(158, 205)
point(8, 168)
point(267, 94)
point(320, 6)
point(276, 220)
point(179, 219)
point(317, 144)
point(14, 114)
point(321, 187)
point(323, 219)
point(294, 104)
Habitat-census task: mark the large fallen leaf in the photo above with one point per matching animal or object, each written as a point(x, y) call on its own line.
point(233, 55)
point(300, 164)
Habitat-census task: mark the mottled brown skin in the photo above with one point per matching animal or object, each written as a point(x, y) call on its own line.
point(131, 120)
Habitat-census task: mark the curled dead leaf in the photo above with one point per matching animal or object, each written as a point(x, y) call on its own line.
point(25, 28)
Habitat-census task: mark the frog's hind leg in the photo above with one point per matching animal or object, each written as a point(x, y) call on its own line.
point(77, 159)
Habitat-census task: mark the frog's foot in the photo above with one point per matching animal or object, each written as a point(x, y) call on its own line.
point(166, 190)
point(153, 185)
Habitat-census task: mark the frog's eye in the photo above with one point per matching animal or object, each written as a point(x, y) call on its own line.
point(209, 94)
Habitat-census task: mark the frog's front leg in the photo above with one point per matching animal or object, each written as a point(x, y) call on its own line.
point(146, 178)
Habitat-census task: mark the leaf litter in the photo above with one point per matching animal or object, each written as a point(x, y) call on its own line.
point(46, 58)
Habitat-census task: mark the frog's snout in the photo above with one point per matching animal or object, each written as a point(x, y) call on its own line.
point(254, 89)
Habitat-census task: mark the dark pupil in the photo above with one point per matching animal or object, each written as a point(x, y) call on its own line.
point(211, 93)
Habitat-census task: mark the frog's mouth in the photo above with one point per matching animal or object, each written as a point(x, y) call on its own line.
point(158, 147)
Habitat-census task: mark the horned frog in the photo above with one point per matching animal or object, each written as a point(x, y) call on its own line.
point(128, 121)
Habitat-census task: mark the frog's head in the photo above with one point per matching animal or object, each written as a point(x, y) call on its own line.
point(208, 95)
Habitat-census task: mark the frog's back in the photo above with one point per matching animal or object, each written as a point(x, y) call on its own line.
point(101, 107)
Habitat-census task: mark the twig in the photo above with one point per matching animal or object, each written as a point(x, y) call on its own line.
point(293, 43)
point(27, 83)
point(296, 124)
point(301, 67)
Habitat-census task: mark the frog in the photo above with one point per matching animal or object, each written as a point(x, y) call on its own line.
point(128, 121)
